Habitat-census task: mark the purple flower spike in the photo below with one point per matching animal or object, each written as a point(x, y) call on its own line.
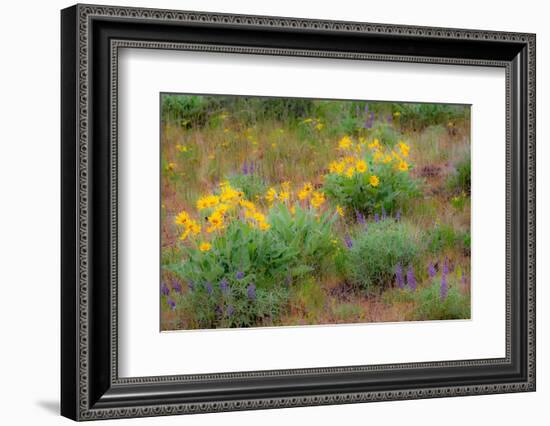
point(191, 285)
point(389, 119)
point(224, 285)
point(251, 168)
point(239, 275)
point(230, 310)
point(245, 167)
point(411, 280)
point(398, 215)
point(384, 214)
point(164, 289)
point(209, 288)
point(366, 109)
point(368, 124)
point(348, 240)
point(251, 292)
point(431, 270)
point(172, 304)
point(360, 217)
point(376, 217)
point(176, 286)
point(445, 266)
point(462, 278)
point(399, 276)
point(444, 290)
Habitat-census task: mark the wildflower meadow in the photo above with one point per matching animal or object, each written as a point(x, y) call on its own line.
point(287, 211)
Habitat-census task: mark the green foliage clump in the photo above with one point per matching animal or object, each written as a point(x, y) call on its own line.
point(252, 185)
point(444, 237)
point(420, 116)
point(429, 306)
point(357, 193)
point(460, 180)
point(186, 110)
point(373, 257)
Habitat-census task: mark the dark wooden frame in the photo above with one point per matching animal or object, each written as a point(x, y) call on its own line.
point(91, 37)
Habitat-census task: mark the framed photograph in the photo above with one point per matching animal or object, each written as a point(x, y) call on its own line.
point(263, 212)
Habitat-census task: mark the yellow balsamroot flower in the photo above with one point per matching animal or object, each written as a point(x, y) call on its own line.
point(229, 194)
point(396, 155)
point(350, 171)
point(285, 185)
point(181, 148)
point(184, 235)
point(404, 148)
point(293, 210)
point(374, 181)
point(303, 195)
point(378, 156)
point(345, 143)
point(194, 227)
point(215, 220)
point(361, 166)
point(375, 144)
point(249, 205)
point(284, 196)
point(222, 209)
point(308, 187)
point(171, 167)
point(340, 210)
point(264, 226)
point(207, 201)
point(182, 218)
point(258, 217)
point(350, 159)
point(205, 246)
point(403, 166)
point(317, 199)
point(362, 140)
point(387, 159)
point(396, 114)
point(271, 194)
point(319, 126)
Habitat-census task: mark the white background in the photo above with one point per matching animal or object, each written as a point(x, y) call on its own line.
point(190, 352)
point(29, 225)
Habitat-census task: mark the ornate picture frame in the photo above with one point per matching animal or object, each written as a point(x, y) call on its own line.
point(91, 38)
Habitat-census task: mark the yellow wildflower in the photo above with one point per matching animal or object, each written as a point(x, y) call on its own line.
point(171, 167)
point(349, 159)
point(264, 226)
point(403, 166)
point(182, 218)
point(375, 144)
point(271, 195)
point(303, 194)
point(181, 148)
point(215, 220)
point(387, 159)
point(396, 114)
point(361, 166)
point(284, 196)
point(317, 199)
point(293, 210)
point(404, 148)
point(319, 126)
point(345, 143)
point(378, 156)
point(308, 187)
point(307, 120)
point(340, 210)
point(194, 227)
point(286, 185)
point(184, 235)
point(205, 246)
point(350, 171)
point(374, 181)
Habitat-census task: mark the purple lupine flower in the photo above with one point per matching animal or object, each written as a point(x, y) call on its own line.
point(372, 116)
point(360, 217)
point(431, 270)
point(251, 168)
point(399, 276)
point(230, 310)
point(171, 303)
point(462, 278)
point(245, 167)
point(376, 217)
point(366, 109)
point(367, 124)
point(251, 291)
point(384, 214)
point(191, 285)
point(240, 275)
point(398, 215)
point(411, 280)
point(164, 289)
point(348, 240)
point(176, 286)
point(445, 266)
point(389, 119)
point(444, 290)
point(224, 285)
point(209, 287)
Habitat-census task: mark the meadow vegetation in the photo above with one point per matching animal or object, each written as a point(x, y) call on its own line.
point(295, 211)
